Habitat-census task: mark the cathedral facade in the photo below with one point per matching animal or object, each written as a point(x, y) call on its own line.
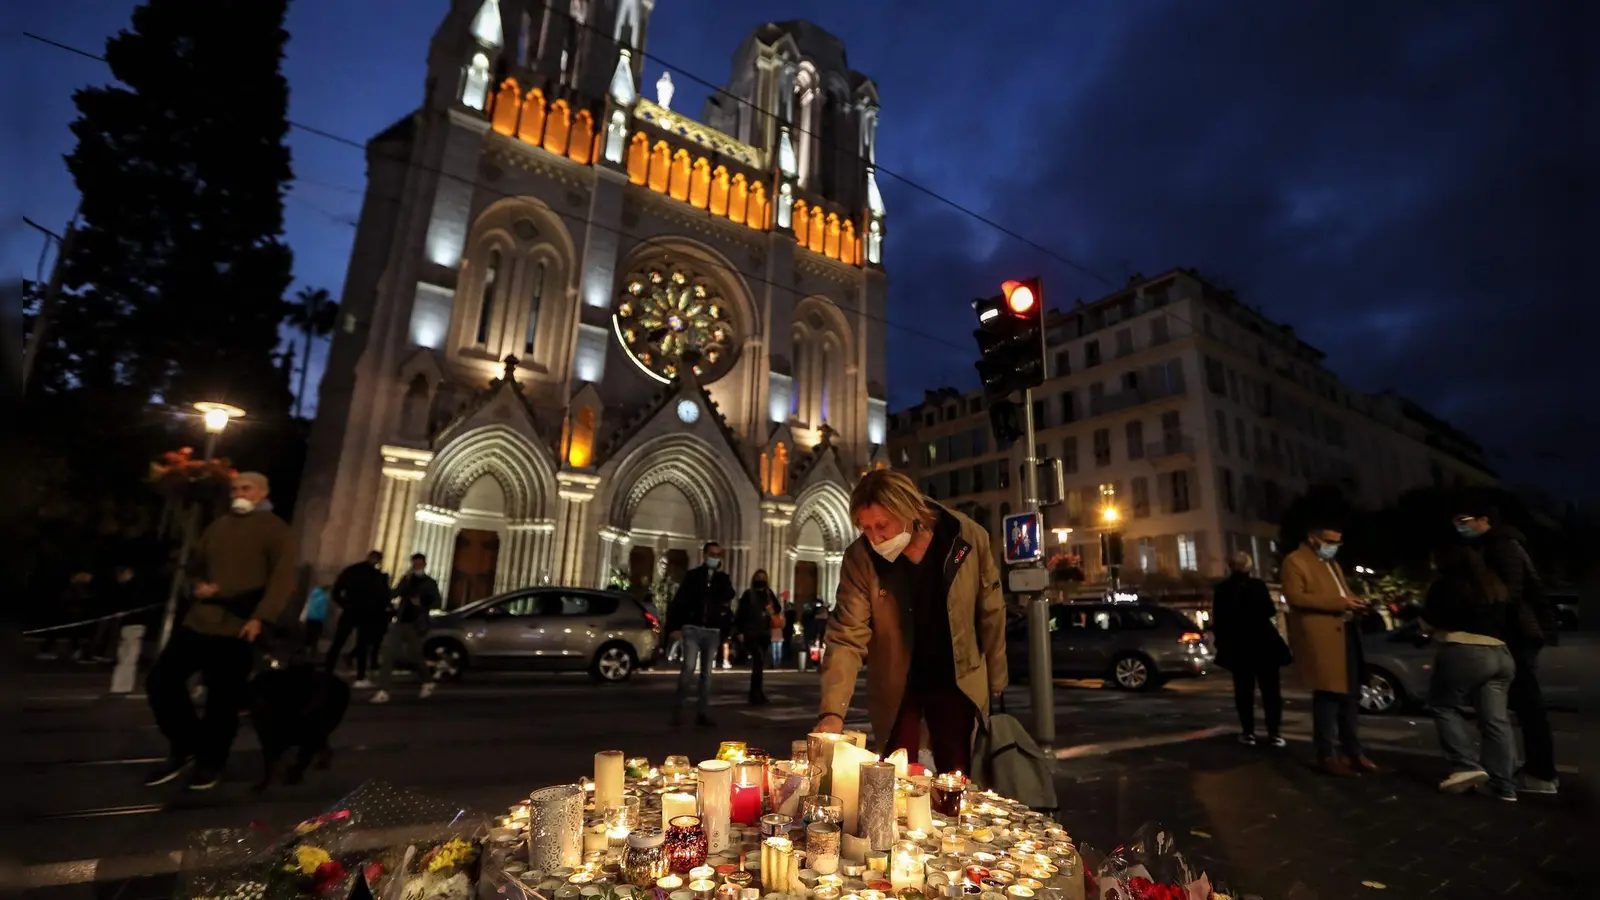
point(583, 333)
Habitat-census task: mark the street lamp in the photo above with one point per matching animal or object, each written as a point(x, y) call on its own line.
point(1109, 515)
point(216, 416)
point(1111, 545)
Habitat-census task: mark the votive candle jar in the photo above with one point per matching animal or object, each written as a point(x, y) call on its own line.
point(686, 843)
point(947, 791)
point(822, 808)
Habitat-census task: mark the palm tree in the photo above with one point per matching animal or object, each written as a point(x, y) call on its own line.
point(314, 312)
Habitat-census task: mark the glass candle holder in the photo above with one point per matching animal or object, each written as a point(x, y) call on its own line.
point(749, 779)
point(822, 808)
point(731, 751)
point(715, 797)
point(686, 844)
point(946, 794)
point(675, 769)
point(636, 768)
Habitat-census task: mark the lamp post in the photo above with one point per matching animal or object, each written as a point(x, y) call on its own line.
point(216, 417)
point(1111, 544)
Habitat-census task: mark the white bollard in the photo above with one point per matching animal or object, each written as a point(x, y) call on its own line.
point(126, 672)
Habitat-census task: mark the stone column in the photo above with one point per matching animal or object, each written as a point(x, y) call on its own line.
point(434, 536)
point(403, 468)
point(828, 576)
point(614, 546)
point(576, 490)
point(776, 517)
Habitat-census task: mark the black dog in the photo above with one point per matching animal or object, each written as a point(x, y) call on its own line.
point(295, 705)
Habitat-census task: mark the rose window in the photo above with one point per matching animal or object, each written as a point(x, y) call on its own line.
point(667, 318)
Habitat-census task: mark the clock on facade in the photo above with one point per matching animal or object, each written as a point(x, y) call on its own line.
point(665, 312)
point(688, 411)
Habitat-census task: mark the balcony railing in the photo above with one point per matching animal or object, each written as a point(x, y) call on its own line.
point(1169, 445)
point(1131, 397)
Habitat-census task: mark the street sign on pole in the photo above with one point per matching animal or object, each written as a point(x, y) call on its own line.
point(1022, 531)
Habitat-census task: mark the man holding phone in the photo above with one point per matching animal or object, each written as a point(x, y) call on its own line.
point(1325, 635)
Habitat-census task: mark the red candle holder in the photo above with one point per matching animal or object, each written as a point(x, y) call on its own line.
point(686, 843)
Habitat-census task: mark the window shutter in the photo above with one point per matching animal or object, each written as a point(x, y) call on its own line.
point(1201, 560)
point(1194, 488)
point(1164, 492)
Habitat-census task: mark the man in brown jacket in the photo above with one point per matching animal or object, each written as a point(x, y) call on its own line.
point(1327, 648)
point(919, 599)
point(240, 576)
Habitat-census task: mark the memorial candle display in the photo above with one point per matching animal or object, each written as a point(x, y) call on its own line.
point(675, 804)
point(609, 774)
point(716, 798)
point(555, 827)
point(747, 784)
point(846, 777)
point(877, 804)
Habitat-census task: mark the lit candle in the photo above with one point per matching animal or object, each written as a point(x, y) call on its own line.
point(675, 804)
point(919, 811)
point(901, 763)
point(847, 762)
point(609, 769)
point(703, 888)
point(669, 883)
point(555, 830)
point(715, 799)
point(746, 804)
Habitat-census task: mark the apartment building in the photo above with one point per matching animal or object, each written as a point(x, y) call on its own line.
point(1197, 418)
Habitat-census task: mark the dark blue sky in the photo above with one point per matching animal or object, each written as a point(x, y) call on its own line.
point(1399, 181)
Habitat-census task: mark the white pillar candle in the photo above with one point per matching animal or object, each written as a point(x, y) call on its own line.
point(919, 811)
point(609, 778)
point(901, 763)
point(716, 802)
point(675, 804)
point(847, 761)
point(555, 827)
point(852, 848)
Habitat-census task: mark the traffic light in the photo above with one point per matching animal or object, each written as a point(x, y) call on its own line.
point(1010, 338)
point(1110, 548)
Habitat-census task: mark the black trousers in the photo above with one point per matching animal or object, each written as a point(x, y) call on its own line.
point(1526, 699)
point(224, 666)
point(369, 637)
point(757, 650)
point(1245, 681)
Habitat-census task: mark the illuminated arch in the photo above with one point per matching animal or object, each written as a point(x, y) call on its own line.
point(521, 468)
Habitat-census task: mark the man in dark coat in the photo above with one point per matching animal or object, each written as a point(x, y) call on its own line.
point(362, 594)
point(697, 611)
point(1532, 625)
point(1250, 646)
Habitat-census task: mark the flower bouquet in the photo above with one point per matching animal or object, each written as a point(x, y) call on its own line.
point(1149, 867)
point(441, 870)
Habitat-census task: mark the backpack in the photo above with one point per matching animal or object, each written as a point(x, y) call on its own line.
point(1007, 760)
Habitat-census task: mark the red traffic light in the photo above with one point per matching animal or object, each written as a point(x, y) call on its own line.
point(1019, 297)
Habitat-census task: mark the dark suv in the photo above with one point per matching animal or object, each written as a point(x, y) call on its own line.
point(1133, 646)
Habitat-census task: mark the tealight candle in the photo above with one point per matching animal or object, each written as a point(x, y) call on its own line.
point(702, 888)
point(905, 867)
point(1018, 892)
point(669, 883)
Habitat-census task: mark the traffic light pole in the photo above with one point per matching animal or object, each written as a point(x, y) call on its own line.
point(1040, 669)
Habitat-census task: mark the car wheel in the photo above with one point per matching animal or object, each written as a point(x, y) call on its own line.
point(1132, 672)
point(445, 659)
point(1381, 694)
point(614, 663)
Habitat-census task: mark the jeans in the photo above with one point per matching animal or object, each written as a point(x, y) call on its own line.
point(403, 640)
point(1527, 701)
point(757, 664)
point(1245, 680)
point(1480, 675)
point(699, 645)
point(777, 653)
point(224, 666)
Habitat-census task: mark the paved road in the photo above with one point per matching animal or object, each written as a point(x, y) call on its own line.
point(91, 829)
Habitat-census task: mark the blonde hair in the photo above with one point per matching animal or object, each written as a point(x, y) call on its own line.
point(1242, 562)
point(893, 491)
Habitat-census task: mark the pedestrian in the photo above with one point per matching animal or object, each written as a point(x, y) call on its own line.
point(418, 594)
point(1250, 647)
point(361, 592)
point(919, 603)
point(779, 629)
point(816, 636)
point(1531, 625)
point(1323, 634)
point(313, 616)
point(1466, 608)
point(77, 604)
point(241, 576)
point(751, 622)
point(697, 612)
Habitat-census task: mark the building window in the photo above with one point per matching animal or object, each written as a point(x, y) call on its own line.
point(1125, 342)
point(980, 442)
point(955, 482)
point(1180, 491)
point(1069, 407)
point(977, 479)
point(1002, 476)
point(1233, 385)
point(1244, 444)
point(1188, 557)
point(930, 453)
point(1039, 418)
point(1063, 363)
point(533, 309)
point(1147, 555)
point(1005, 510)
point(1102, 447)
point(491, 274)
point(1091, 353)
point(1135, 431)
point(1216, 377)
point(1222, 431)
point(1225, 482)
point(1158, 330)
point(1069, 455)
point(1141, 497)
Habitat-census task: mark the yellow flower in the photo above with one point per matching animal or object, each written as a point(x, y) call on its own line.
point(452, 853)
point(311, 858)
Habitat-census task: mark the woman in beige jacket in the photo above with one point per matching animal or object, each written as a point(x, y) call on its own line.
point(919, 597)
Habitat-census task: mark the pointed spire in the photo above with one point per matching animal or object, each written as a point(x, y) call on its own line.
point(874, 197)
point(786, 160)
point(510, 369)
point(622, 89)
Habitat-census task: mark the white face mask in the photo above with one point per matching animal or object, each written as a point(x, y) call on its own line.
point(243, 506)
point(891, 549)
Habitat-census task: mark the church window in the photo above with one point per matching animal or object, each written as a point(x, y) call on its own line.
point(581, 447)
point(486, 24)
point(666, 311)
point(524, 38)
point(477, 87)
point(827, 369)
point(533, 308)
point(486, 305)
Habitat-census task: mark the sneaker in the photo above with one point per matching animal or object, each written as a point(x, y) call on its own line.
point(1462, 781)
point(167, 770)
point(1277, 742)
point(427, 690)
point(1249, 740)
point(363, 684)
point(1528, 784)
point(380, 697)
point(1488, 791)
point(203, 778)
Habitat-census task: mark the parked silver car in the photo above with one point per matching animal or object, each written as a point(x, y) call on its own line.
point(609, 633)
point(1399, 665)
point(1133, 646)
